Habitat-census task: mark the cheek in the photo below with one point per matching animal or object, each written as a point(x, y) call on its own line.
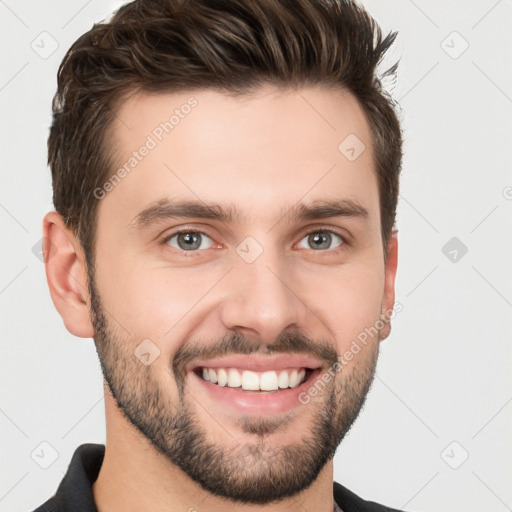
point(156, 301)
point(349, 301)
point(150, 301)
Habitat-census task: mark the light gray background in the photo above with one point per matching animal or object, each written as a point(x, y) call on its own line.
point(443, 390)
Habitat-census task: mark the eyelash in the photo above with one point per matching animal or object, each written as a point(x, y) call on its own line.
point(316, 230)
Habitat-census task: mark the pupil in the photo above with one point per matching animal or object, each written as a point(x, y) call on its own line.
point(190, 240)
point(321, 240)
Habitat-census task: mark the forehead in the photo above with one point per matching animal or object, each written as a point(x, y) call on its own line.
point(260, 152)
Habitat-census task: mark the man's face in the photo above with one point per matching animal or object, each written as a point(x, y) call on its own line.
point(220, 344)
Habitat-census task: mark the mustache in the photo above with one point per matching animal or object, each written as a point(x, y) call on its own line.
point(233, 343)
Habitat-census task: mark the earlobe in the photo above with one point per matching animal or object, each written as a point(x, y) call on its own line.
point(388, 299)
point(66, 274)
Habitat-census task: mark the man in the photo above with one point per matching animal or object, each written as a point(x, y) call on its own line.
point(225, 181)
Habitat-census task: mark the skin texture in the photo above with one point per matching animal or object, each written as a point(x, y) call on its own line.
point(262, 154)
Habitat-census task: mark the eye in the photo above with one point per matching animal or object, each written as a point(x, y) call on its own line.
point(189, 240)
point(321, 240)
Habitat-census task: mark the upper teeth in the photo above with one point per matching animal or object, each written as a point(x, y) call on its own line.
point(253, 381)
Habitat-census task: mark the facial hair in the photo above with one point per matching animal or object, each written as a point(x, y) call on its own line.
point(254, 472)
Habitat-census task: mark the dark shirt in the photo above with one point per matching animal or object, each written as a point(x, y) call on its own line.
point(74, 493)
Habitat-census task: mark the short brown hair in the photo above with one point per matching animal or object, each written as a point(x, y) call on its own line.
point(232, 46)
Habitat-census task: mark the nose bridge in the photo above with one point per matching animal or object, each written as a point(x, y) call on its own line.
point(261, 300)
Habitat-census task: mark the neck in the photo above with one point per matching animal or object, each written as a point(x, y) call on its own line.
point(135, 476)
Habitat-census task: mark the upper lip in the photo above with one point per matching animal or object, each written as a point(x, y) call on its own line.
point(258, 362)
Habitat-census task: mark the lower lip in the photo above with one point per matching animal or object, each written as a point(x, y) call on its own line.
point(250, 402)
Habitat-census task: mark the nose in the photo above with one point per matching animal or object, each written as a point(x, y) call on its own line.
point(262, 299)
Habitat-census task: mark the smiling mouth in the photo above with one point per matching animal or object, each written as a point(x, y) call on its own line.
point(248, 380)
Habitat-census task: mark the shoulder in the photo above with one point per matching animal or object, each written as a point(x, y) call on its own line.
point(350, 502)
point(74, 492)
point(49, 506)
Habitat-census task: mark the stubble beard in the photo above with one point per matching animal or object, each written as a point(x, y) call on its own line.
point(249, 472)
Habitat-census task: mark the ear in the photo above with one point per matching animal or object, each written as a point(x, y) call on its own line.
point(66, 273)
point(388, 299)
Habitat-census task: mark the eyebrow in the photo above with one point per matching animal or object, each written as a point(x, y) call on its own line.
point(166, 209)
point(328, 209)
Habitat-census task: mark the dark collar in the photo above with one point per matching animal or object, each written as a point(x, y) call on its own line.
point(75, 491)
